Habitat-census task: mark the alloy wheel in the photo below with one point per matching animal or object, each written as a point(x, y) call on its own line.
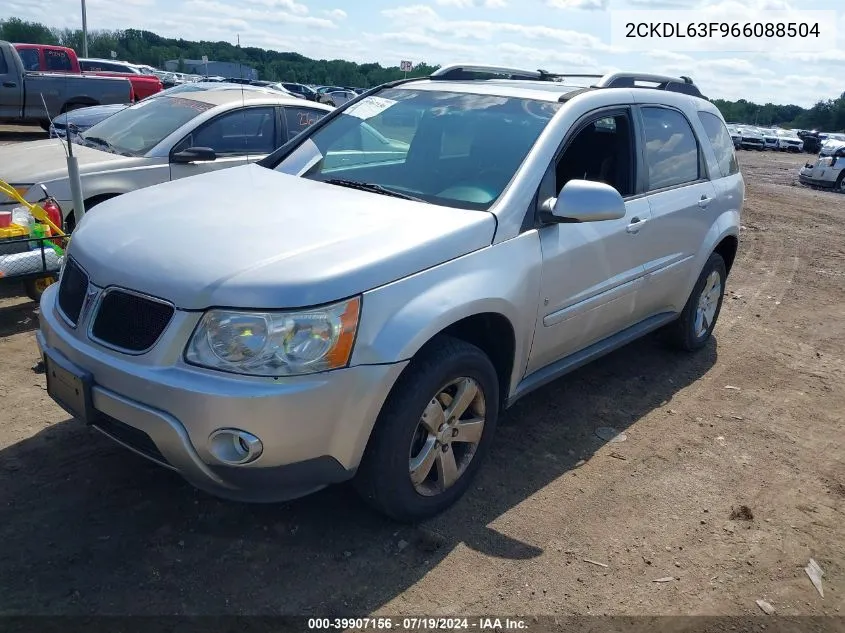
point(708, 302)
point(447, 436)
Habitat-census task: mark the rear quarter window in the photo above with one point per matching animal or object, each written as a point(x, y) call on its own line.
point(720, 139)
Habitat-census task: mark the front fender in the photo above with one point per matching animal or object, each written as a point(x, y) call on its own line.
point(401, 317)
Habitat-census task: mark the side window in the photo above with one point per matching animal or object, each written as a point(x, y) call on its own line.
point(240, 132)
point(721, 141)
point(671, 148)
point(29, 57)
point(57, 60)
point(601, 151)
point(300, 119)
point(4, 67)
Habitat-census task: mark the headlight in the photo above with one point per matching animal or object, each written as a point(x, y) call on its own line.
point(276, 343)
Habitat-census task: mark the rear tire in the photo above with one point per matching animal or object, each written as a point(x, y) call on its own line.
point(692, 330)
point(395, 477)
point(839, 187)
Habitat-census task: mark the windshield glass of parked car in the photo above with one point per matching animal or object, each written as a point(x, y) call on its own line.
point(448, 148)
point(136, 130)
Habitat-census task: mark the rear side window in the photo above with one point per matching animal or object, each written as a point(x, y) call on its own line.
point(671, 148)
point(29, 57)
point(721, 141)
point(300, 119)
point(57, 60)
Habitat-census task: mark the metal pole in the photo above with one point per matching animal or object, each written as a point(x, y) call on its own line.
point(84, 31)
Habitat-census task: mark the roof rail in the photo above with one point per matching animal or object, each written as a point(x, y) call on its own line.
point(464, 72)
point(467, 72)
point(660, 82)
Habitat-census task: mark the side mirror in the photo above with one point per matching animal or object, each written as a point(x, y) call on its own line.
point(584, 201)
point(194, 155)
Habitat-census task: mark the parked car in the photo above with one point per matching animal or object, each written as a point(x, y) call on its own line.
point(143, 85)
point(161, 139)
point(84, 118)
point(377, 335)
point(752, 138)
point(811, 140)
point(323, 93)
point(22, 91)
point(736, 136)
point(301, 89)
point(61, 59)
point(339, 97)
point(828, 170)
point(770, 138)
point(788, 141)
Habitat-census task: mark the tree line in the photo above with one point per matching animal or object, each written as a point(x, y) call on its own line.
point(144, 47)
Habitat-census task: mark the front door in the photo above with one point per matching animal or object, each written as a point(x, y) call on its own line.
point(592, 271)
point(11, 89)
point(238, 137)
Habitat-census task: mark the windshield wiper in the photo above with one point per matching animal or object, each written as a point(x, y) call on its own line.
point(371, 187)
point(98, 141)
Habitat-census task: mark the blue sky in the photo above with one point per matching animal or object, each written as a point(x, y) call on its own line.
point(558, 35)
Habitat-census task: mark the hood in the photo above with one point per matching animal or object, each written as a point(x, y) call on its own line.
point(43, 161)
point(86, 117)
point(831, 147)
point(251, 237)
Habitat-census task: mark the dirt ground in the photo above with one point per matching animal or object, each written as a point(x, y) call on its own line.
point(756, 419)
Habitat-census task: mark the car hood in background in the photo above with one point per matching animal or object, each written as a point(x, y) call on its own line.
point(86, 117)
point(44, 161)
point(255, 238)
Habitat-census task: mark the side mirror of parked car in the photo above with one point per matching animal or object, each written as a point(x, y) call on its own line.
point(194, 155)
point(584, 201)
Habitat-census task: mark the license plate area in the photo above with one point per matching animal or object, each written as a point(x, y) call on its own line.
point(70, 387)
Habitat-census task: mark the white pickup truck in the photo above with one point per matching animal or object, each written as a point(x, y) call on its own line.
point(21, 92)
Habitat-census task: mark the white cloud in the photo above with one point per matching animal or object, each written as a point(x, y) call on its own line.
point(336, 14)
point(290, 6)
point(469, 4)
point(422, 18)
point(216, 9)
point(594, 5)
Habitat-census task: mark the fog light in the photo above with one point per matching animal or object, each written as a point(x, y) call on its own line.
point(235, 447)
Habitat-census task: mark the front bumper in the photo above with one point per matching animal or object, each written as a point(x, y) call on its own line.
point(313, 428)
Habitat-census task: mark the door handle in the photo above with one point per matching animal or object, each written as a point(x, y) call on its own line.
point(635, 225)
point(704, 201)
point(10, 84)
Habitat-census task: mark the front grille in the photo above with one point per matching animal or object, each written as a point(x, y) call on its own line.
point(130, 322)
point(133, 438)
point(72, 290)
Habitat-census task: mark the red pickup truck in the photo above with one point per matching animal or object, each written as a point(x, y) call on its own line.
point(60, 59)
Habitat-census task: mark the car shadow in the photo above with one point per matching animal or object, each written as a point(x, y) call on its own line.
point(16, 318)
point(90, 528)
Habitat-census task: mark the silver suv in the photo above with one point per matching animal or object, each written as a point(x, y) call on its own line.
point(365, 302)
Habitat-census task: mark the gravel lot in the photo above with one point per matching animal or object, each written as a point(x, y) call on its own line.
point(755, 420)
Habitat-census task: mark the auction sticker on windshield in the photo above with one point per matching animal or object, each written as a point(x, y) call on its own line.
point(369, 107)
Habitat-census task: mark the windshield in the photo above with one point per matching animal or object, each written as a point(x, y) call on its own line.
point(136, 130)
point(447, 148)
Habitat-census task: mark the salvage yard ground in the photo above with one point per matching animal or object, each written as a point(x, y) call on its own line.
point(757, 419)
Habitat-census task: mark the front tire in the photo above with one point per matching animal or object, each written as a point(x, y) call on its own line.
point(433, 432)
point(693, 328)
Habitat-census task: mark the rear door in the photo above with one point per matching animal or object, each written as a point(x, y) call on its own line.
point(681, 198)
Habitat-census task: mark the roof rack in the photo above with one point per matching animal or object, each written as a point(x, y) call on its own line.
point(468, 72)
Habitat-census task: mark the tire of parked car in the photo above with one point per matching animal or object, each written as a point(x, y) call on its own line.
point(839, 186)
point(693, 328)
point(433, 432)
